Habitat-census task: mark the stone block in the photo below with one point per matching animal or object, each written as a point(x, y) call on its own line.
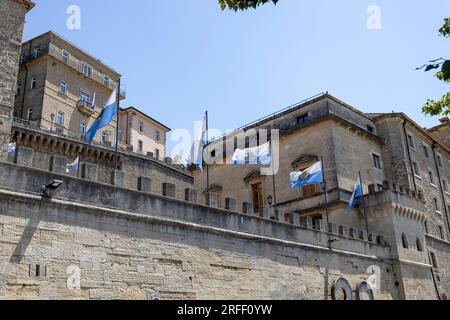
point(320, 225)
point(333, 228)
point(190, 195)
point(24, 156)
point(264, 212)
point(211, 200)
point(247, 208)
point(309, 222)
point(230, 204)
point(169, 190)
point(295, 218)
point(145, 184)
point(343, 231)
point(58, 164)
point(89, 171)
point(118, 178)
point(363, 235)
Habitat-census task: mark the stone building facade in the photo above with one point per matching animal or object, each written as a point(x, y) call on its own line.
point(12, 17)
point(142, 134)
point(63, 89)
point(392, 153)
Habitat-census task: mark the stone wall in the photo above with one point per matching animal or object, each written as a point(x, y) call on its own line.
point(142, 247)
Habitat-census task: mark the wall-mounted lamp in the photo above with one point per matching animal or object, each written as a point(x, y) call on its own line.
point(45, 189)
point(269, 200)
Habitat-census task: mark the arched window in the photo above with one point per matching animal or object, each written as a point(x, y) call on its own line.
point(419, 245)
point(405, 241)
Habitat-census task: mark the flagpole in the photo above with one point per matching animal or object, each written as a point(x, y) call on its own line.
point(325, 191)
point(364, 203)
point(117, 124)
point(207, 162)
point(273, 181)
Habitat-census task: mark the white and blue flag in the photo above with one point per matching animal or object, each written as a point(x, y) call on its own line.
point(310, 176)
point(11, 150)
point(357, 192)
point(198, 146)
point(257, 155)
point(106, 116)
point(73, 167)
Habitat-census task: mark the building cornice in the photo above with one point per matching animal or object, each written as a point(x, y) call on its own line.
point(26, 3)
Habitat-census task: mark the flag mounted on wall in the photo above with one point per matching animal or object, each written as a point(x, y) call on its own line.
point(106, 116)
point(357, 192)
point(73, 167)
point(198, 146)
point(258, 155)
point(310, 176)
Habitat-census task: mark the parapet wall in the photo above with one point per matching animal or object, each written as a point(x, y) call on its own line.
point(96, 241)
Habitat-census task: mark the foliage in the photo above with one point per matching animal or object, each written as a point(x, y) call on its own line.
point(243, 4)
point(439, 107)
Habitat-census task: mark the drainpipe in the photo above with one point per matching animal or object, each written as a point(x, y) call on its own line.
point(25, 85)
point(409, 155)
point(440, 184)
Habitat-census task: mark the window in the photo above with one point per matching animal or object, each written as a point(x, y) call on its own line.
point(436, 204)
point(302, 119)
point(425, 151)
point(439, 160)
point(33, 82)
point(82, 128)
point(85, 97)
point(63, 87)
point(157, 154)
point(416, 169)
point(433, 260)
point(18, 89)
point(23, 59)
point(140, 146)
point(141, 127)
point(411, 141)
point(405, 242)
point(86, 70)
point(106, 81)
point(65, 57)
point(377, 161)
point(370, 129)
point(441, 232)
point(60, 119)
point(445, 185)
point(380, 188)
point(30, 114)
point(36, 52)
point(106, 135)
point(431, 176)
point(419, 245)
point(158, 136)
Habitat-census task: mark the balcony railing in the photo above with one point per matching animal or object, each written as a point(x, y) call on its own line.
point(86, 107)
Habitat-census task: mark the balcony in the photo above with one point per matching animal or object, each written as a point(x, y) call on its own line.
point(86, 107)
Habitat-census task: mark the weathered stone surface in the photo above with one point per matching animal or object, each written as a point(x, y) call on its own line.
point(24, 156)
point(145, 184)
point(58, 164)
point(230, 204)
point(190, 195)
point(247, 208)
point(118, 178)
point(169, 190)
point(89, 171)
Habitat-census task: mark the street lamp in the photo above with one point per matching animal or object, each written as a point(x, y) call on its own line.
point(53, 185)
point(269, 200)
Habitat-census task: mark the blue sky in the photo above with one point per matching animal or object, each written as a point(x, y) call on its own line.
point(179, 58)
